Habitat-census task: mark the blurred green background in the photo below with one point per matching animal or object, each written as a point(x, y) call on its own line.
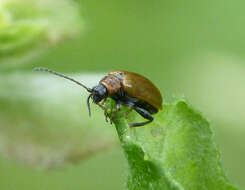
point(188, 48)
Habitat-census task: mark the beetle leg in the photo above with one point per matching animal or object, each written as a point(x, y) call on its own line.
point(101, 104)
point(144, 113)
point(103, 101)
point(105, 110)
point(118, 106)
point(106, 116)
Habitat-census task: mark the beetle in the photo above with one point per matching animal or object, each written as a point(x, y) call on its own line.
point(126, 88)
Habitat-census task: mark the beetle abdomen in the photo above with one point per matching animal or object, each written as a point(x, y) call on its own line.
point(139, 87)
point(124, 98)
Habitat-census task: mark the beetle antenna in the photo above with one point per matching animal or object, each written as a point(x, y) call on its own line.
point(89, 110)
point(63, 76)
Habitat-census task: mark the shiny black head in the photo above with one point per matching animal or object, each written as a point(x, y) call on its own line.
point(98, 93)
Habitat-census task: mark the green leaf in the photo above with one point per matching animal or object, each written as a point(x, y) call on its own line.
point(176, 151)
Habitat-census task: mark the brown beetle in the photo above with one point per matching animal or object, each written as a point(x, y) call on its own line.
point(126, 88)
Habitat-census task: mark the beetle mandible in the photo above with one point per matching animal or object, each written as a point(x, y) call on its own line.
point(126, 88)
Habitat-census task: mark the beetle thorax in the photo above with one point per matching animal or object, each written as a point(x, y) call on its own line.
point(112, 84)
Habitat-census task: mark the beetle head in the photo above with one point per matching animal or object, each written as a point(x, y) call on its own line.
point(98, 93)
